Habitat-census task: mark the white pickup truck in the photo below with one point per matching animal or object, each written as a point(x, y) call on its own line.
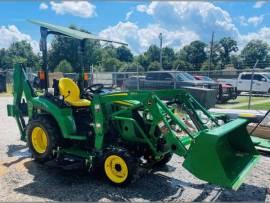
point(261, 82)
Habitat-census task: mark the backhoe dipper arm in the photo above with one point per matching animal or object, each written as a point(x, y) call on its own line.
point(19, 108)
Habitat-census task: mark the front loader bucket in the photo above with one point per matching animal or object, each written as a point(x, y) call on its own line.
point(223, 155)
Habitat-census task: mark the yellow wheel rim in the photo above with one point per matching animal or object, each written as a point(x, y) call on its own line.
point(39, 140)
point(116, 169)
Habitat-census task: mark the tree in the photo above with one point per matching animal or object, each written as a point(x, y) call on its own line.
point(3, 56)
point(154, 66)
point(111, 64)
point(216, 57)
point(67, 48)
point(181, 65)
point(168, 58)
point(256, 50)
point(194, 53)
point(227, 45)
point(132, 67)
point(143, 60)
point(64, 66)
point(124, 54)
point(109, 60)
point(20, 52)
point(153, 53)
point(237, 62)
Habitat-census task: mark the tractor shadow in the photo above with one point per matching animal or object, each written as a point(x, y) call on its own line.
point(77, 185)
point(21, 152)
point(18, 151)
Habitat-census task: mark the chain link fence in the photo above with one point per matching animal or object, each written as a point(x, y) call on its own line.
point(116, 79)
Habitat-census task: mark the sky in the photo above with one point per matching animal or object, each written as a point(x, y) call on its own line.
point(139, 23)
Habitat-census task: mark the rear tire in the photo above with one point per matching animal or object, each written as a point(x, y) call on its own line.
point(42, 136)
point(119, 166)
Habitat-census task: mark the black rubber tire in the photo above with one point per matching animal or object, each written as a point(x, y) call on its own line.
point(131, 162)
point(164, 160)
point(52, 133)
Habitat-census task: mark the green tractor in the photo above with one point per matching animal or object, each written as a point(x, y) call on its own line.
point(118, 132)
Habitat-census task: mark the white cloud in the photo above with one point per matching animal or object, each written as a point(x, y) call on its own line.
point(259, 4)
point(254, 20)
point(200, 17)
point(262, 34)
point(141, 8)
point(82, 9)
point(128, 15)
point(139, 39)
point(243, 21)
point(43, 6)
point(181, 23)
point(11, 33)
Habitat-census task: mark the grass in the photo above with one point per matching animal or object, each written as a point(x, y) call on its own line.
point(243, 99)
point(242, 103)
point(264, 106)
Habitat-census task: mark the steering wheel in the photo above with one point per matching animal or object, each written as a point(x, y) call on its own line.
point(95, 88)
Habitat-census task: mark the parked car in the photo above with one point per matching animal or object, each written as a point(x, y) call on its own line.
point(226, 92)
point(204, 91)
point(119, 77)
point(167, 79)
point(261, 82)
point(132, 82)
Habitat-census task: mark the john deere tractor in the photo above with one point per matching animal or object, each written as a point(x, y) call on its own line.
point(118, 132)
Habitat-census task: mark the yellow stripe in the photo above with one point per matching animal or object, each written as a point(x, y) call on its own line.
point(117, 94)
point(123, 102)
point(247, 115)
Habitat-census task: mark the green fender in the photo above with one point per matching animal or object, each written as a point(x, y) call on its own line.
point(63, 116)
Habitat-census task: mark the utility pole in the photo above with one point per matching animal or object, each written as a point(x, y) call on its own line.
point(160, 50)
point(211, 53)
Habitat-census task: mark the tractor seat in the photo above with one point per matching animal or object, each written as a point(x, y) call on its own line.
point(71, 93)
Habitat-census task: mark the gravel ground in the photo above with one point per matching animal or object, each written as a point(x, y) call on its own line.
point(21, 179)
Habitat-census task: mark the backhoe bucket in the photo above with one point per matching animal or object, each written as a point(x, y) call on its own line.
point(223, 155)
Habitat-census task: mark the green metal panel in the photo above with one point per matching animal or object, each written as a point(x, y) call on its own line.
point(71, 32)
point(11, 110)
point(261, 142)
point(63, 117)
point(223, 155)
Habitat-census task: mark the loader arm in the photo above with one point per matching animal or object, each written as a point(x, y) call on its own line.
point(22, 92)
point(220, 155)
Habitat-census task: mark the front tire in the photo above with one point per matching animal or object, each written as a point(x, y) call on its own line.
point(119, 166)
point(42, 135)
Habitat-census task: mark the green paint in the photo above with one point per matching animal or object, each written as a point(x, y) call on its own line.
point(221, 155)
